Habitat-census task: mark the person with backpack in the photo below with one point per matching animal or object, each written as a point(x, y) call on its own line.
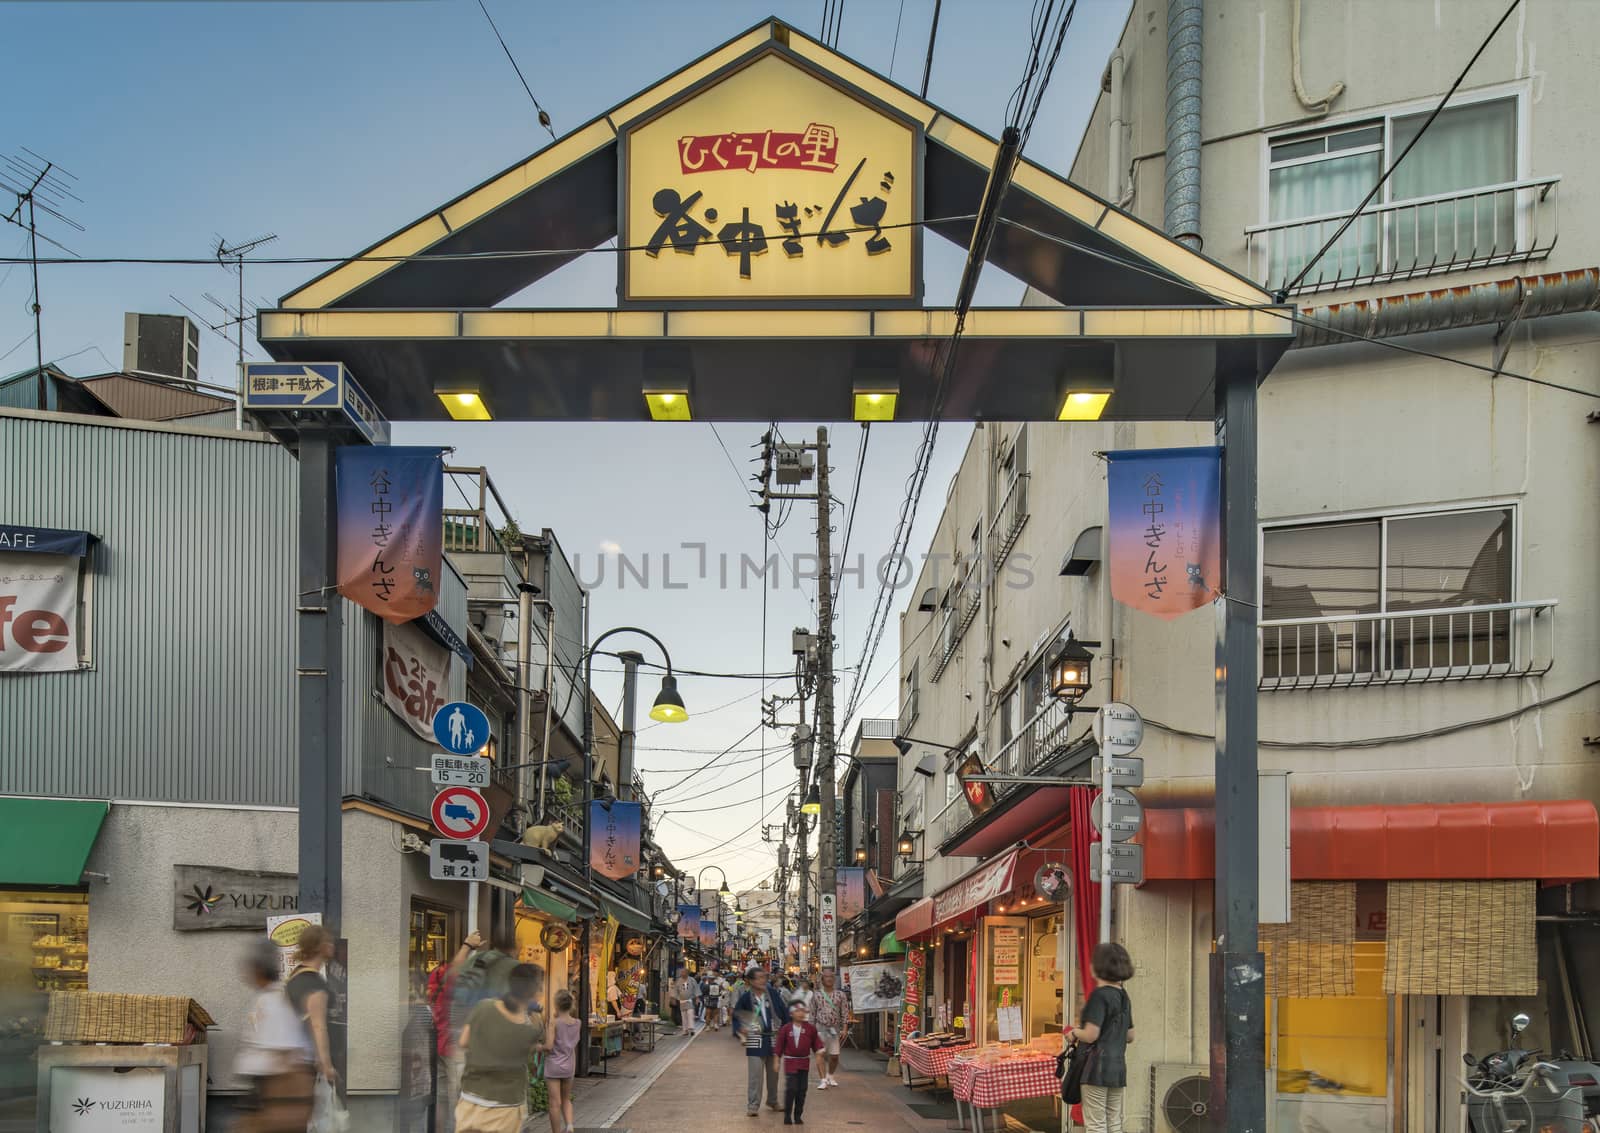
point(480, 972)
point(497, 1043)
point(715, 989)
point(1105, 1027)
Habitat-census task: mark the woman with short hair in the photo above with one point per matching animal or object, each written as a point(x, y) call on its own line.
point(1107, 1024)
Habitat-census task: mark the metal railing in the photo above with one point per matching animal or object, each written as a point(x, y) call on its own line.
point(964, 602)
point(1009, 519)
point(878, 728)
point(1455, 643)
point(1040, 740)
point(1512, 222)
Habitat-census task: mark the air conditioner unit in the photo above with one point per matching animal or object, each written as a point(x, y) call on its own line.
point(1180, 1098)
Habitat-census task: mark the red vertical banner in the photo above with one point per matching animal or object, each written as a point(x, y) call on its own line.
point(911, 1007)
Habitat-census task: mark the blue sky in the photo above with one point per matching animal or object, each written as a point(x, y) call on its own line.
point(333, 123)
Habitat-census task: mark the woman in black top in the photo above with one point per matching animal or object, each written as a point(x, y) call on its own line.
point(1107, 1022)
point(307, 990)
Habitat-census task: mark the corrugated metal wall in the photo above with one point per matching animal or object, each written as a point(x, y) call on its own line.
point(190, 696)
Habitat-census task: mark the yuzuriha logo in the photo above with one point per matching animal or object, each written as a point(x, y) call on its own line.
point(203, 901)
point(82, 1106)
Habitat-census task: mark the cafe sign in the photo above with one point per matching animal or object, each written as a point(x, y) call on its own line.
point(206, 898)
point(772, 185)
point(984, 884)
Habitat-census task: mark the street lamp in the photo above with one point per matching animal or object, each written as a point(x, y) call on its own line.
point(861, 855)
point(813, 803)
point(906, 844)
point(1069, 672)
point(724, 891)
point(668, 708)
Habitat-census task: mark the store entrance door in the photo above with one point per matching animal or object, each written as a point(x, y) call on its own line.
point(1435, 1036)
point(955, 981)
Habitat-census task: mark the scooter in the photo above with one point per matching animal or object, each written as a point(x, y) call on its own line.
point(1515, 1091)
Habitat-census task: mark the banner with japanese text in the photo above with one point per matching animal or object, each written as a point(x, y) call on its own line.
point(911, 1002)
point(688, 922)
point(852, 886)
point(390, 515)
point(1165, 528)
point(38, 613)
point(614, 829)
point(708, 933)
point(416, 676)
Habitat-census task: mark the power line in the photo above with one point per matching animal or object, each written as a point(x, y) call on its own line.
point(895, 49)
point(1372, 194)
point(933, 36)
point(544, 118)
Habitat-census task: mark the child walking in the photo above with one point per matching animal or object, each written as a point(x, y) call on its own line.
point(562, 1062)
point(797, 1043)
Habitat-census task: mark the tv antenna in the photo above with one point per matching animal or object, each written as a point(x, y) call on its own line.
point(235, 254)
point(40, 185)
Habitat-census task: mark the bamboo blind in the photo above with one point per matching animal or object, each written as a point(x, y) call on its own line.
point(104, 1017)
point(1461, 938)
point(1314, 954)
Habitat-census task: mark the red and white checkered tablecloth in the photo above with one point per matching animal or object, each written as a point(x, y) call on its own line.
point(992, 1086)
point(930, 1063)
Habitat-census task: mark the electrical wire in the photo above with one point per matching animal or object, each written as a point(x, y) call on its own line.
point(894, 50)
point(544, 117)
point(1339, 232)
point(850, 515)
point(1398, 738)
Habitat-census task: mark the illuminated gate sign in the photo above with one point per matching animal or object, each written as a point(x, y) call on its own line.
point(771, 184)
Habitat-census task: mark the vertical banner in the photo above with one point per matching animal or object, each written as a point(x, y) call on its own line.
point(390, 510)
point(911, 1005)
point(1166, 528)
point(38, 613)
point(852, 883)
point(614, 838)
point(708, 933)
point(416, 677)
point(688, 922)
point(828, 931)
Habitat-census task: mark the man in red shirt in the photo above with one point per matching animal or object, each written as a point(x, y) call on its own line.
point(796, 1043)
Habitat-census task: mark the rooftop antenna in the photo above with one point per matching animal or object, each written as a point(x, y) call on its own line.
point(236, 253)
point(40, 185)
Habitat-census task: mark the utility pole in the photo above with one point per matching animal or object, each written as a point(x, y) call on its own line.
point(39, 185)
point(826, 882)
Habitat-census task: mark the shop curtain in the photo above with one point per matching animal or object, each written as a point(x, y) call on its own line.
point(1315, 953)
point(1085, 894)
point(1461, 938)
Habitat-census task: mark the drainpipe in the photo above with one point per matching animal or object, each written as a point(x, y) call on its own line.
point(1114, 141)
point(1181, 214)
point(1497, 302)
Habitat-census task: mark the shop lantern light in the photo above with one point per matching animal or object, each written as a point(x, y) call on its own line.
point(813, 803)
point(463, 402)
point(906, 844)
point(1082, 401)
point(861, 855)
point(875, 398)
point(668, 708)
point(1069, 672)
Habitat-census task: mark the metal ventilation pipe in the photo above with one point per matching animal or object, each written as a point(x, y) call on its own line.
point(1181, 215)
point(1449, 308)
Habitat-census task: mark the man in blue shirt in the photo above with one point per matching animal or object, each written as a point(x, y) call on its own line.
point(757, 1017)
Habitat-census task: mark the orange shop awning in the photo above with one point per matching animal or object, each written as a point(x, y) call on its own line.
point(914, 920)
point(1549, 841)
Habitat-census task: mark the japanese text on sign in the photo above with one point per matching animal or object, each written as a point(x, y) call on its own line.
point(816, 148)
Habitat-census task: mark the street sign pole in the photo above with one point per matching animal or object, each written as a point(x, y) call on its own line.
point(1106, 787)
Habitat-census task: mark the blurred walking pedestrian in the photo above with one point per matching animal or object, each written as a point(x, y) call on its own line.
point(275, 1051)
point(685, 995)
point(830, 1010)
point(562, 1063)
point(498, 1042)
point(757, 1017)
point(480, 972)
point(307, 990)
point(715, 989)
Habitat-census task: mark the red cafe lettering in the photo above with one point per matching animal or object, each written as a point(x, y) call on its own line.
point(32, 631)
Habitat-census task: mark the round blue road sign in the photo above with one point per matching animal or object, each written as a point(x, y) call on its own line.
point(461, 728)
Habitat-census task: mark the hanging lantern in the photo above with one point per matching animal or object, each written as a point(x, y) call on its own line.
point(1069, 672)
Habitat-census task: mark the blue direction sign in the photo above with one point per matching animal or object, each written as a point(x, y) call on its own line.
point(461, 728)
point(292, 385)
point(282, 387)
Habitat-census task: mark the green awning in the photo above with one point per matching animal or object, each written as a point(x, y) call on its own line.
point(47, 841)
point(545, 903)
point(624, 913)
point(890, 946)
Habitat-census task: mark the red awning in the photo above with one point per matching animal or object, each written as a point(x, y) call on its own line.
point(1557, 840)
point(913, 920)
point(1016, 818)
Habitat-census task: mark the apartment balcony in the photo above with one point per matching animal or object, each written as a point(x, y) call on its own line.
point(1510, 223)
point(1503, 639)
point(962, 609)
point(1009, 519)
point(1041, 739)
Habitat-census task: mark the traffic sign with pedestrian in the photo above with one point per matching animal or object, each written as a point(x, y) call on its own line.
point(456, 860)
point(461, 728)
point(460, 812)
point(460, 770)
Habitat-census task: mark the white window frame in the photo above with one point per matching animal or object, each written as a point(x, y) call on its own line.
point(1520, 89)
point(1384, 516)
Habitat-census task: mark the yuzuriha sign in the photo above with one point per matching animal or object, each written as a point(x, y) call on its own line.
point(1166, 528)
point(771, 183)
point(390, 507)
